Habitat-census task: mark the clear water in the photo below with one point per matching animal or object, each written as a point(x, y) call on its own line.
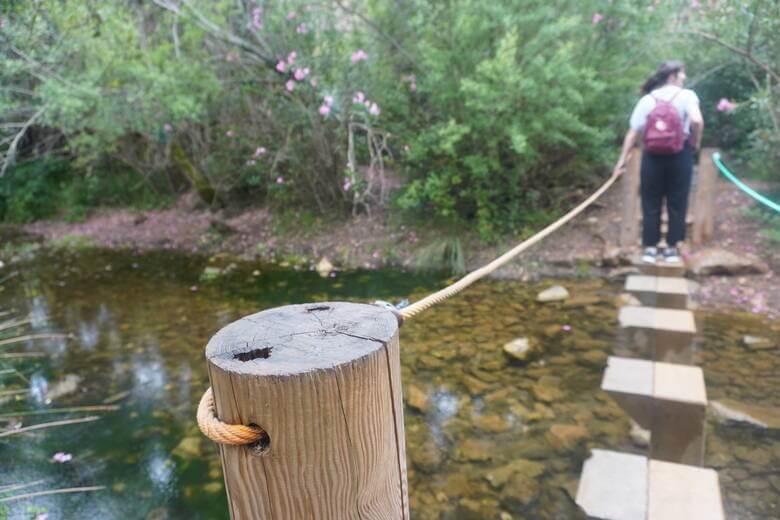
point(140, 323)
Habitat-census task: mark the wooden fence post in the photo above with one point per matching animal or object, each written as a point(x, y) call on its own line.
point(629, 224)
point(323, 380)
point(703, 216)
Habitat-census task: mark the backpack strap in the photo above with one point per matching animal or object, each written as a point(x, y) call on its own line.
point(657, 99)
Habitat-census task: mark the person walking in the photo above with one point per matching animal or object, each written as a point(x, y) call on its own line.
point(669, 121)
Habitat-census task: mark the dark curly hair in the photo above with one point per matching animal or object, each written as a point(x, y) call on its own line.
point(659, 78)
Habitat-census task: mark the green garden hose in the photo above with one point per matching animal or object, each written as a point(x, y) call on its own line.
point(741, 185)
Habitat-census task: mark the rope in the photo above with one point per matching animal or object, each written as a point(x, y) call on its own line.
point(238, 434)
point(433, 299)
point(223, 433)
point(741, 185)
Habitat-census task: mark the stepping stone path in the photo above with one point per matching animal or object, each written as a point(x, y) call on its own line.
point(663, 394)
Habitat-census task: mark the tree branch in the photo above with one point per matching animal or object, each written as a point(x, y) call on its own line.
point(736, 50)
point(10, 154)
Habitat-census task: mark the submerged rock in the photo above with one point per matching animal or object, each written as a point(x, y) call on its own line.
point(63, 387)
point(522, 349)
point(547, 389)
point(428, 458)
point(492, 423)
point(714, 261)
point(553, 294)
point(475, 450)
point(520, 491)
point(501, 475)
point(417, 399)
point(188, 448)
point(565, 436)
point(726, 410)
point(757, 343)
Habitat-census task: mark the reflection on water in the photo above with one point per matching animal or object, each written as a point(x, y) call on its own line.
point(487, 437)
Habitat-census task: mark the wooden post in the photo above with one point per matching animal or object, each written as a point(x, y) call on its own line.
point(629, 225)
point(703, 217)
point(323, 380)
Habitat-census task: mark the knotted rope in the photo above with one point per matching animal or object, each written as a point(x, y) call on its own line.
point(238, 434)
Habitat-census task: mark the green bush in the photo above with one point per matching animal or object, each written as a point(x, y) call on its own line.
point(31, 190)
point(47, 187)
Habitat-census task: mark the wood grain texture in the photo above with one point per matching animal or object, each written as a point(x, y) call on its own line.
point(629, 225)
point(324, 381)
point(704, 199)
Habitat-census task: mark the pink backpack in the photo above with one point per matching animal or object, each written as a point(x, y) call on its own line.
point(664, 130)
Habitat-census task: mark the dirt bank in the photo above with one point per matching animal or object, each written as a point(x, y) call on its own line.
point(586, 246)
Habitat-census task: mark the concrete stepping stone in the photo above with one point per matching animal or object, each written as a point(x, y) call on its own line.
point(659, 291)
point(668, 399)
point(667, 333)
point(623, 486)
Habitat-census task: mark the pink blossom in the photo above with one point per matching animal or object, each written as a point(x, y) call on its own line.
point(358, 55)
point(168, 128)
point(324, 110)
point(280, 180)
point(695, 4)
point(291, 57)
point(42, 516)
point(724, 105)
point(302, 29)
point(313, 82)
point(374, 109)
point(62, 457)
point(300, 74)
point(566, 328)
point(375, 254)
point(230, 133)
point(281, 66)
point(359, 97)
point(291, 15)
point(260, 150)
point(329, 100)
point(413, 87)
point(347, 184)
point(257, 17)
point(290, 85)
point(597, 17)
point(251, 162)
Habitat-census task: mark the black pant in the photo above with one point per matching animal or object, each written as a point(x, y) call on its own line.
point(665, 177)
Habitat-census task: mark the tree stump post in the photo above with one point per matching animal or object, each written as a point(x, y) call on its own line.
point(629, 224)
point(323, 380)
point(703, 216)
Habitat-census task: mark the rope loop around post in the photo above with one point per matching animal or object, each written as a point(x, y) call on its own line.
point(220, 432)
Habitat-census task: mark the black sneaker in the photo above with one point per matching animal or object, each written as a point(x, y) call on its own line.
point(649, 255)
point(671, 255)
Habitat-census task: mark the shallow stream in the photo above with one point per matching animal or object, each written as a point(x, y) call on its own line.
point(486, 437)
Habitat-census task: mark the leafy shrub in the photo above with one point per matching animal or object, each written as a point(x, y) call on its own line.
point(31, 190)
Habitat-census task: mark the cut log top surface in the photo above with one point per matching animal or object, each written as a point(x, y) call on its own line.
point(658, 284)
point(622, 486)
point(659, 319)
point(667, 381)
point(301, 338)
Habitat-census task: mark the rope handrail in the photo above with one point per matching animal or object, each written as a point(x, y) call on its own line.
point(239, 434)
point(741, 185)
